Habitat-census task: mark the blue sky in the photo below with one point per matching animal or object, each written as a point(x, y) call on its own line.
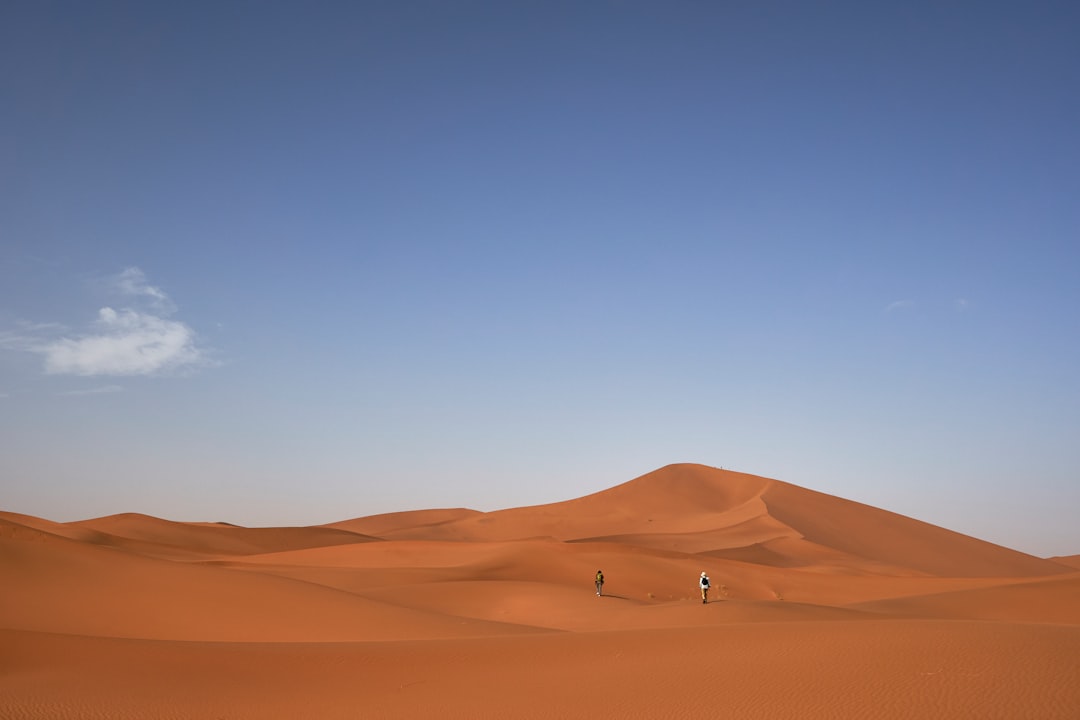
point(290, 263)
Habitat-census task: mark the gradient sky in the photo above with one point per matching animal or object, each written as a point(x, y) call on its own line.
point(290, 263)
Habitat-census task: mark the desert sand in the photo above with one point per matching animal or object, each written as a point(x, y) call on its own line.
point(820, 608)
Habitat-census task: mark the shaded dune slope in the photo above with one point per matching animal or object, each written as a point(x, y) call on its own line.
point(869, 532)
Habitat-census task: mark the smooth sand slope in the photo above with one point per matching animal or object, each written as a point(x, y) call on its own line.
point(820, 608)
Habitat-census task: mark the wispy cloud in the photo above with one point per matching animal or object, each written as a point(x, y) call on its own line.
point(962, 304)
point(899, 305)
point(104, 389)
point(120, 342)
point(18, 341)
point(132, 282)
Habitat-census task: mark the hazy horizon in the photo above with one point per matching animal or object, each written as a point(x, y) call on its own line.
point(286, 264)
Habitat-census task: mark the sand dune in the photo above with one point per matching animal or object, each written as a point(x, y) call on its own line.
point(699, 509)
point(388, 523)
point(876, 534)
point(1054, 600)
point(821, 608)
point(214, 539)
point(67, 587)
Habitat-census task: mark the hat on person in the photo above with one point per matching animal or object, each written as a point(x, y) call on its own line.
point(702, 573)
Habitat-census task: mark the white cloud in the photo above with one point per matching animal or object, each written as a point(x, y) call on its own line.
point(899, 305)
point(126, 343)
point(121, 342)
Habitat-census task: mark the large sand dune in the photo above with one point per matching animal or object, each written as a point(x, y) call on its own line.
point(821, 608)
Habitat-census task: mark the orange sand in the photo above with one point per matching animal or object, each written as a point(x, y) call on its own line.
point(821, 608)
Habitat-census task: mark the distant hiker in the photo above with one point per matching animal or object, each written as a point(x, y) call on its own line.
point(704, 583)
point(599, 582)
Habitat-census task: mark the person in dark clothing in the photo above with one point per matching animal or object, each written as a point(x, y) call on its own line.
point(599, 582)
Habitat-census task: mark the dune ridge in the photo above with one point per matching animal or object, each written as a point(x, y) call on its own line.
point(820, 608)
